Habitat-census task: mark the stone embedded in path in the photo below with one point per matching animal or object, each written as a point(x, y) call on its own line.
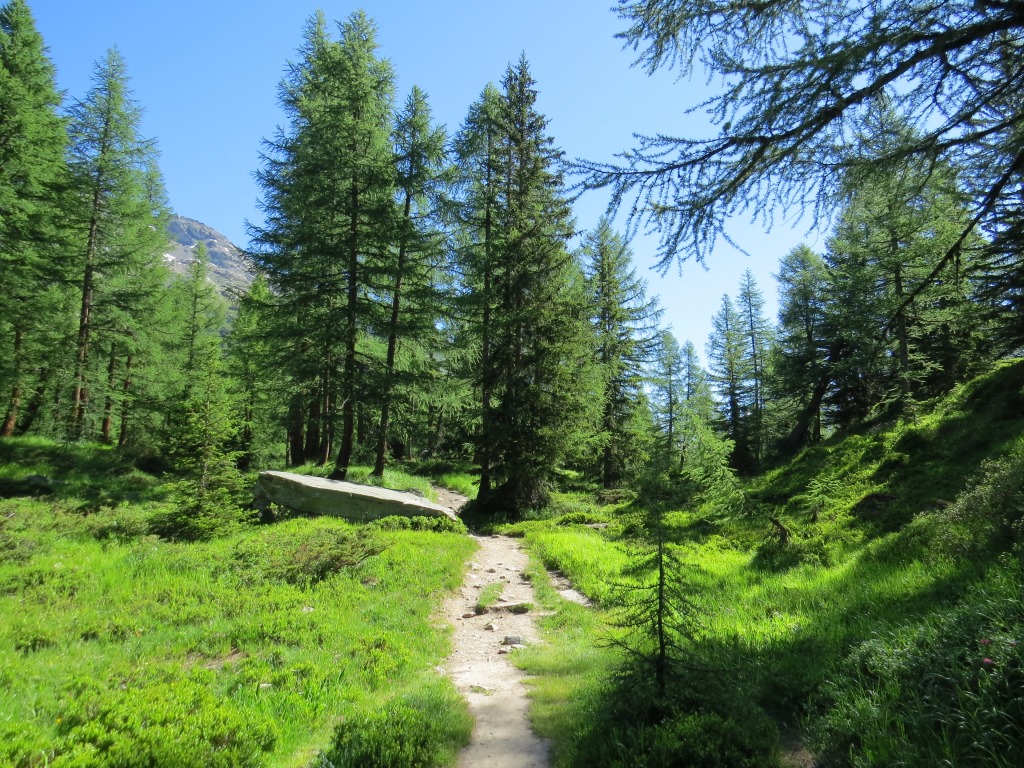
point(512, 640)
point(319, 496)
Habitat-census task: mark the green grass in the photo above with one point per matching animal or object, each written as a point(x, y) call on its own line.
point(895, 572)
point(568, 670)
point(260, 648)
point(90, 475)
point(488, 596)
point(395, 479)
point(461, 482)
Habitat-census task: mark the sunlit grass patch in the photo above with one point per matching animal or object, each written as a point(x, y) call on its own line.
point(393, 478)
point(263, 641)
point(460, 482)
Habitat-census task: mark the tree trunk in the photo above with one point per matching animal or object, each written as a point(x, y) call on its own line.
point(108, 405)
point(809, 416)
point(349, 373)
point(122, 439)
point(15, 403)
point(389, 365)
point(296, 425)
point(79, 396)
point(326, 430)
point(782, 530)
point(245, 459)
point(35, 403)
point(486, 381)
point(903, 345)
point(313, 437)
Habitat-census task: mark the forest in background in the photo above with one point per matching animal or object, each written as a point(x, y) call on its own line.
point(425, 300)
point(419, 294)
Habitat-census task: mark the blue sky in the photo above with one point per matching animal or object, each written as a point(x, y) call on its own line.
point(206, 73)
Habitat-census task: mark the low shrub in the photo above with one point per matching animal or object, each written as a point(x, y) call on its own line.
point(417, 730)
point(169, 720)
point(583, 517)
point(125, 521)
point(183, 521)
point(419, 523)
point(304, 553)
point(696, 740)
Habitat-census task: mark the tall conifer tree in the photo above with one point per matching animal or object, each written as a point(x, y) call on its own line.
point(800, 354)
point(475, 212)
point(32, 145)
point(119, 221)
point(728, 365)
point(758, 335)
point(419, 160)
point(540, 362)
point(328, 195)
point(624, 322)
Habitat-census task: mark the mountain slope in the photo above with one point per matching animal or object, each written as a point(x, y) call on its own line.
point(227, 270)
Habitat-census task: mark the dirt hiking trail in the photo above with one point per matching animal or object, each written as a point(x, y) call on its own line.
point(480, 665)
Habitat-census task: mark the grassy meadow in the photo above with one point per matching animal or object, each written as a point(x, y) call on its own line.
point(886, 629)
point(281, 645)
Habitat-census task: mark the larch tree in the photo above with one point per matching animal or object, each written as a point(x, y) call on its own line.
point(681, 397)
point(798, 80)
point(902, 332)
point(328, 198)
point(420, 163)
point(32, 146)
point(474, 212)
point(257, 378)
point(119, 216)
point(729, 368)
point(758, 338)
point(800, 371)
point(668, 389)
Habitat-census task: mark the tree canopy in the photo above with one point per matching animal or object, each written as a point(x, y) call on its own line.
point(799, 80)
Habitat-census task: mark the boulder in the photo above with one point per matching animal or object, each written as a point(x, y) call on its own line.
point(319, 496)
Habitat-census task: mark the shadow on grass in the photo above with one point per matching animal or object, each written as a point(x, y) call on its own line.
point(88, 474)
point(882, 590)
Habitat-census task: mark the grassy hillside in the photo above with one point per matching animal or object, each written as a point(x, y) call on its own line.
point(885, 630)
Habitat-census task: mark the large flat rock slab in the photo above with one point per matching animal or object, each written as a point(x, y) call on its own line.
point(319, 496)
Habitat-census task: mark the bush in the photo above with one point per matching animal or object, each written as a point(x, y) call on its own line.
point(303, 552)
point(634, 731)
point(582, 518)
point(183, 521)
point(700, 740)
point(124, 522)
point(417, 730)
point(419, 523)
point(175, 722)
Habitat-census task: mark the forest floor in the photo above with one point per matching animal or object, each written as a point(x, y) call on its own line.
point(486, 635)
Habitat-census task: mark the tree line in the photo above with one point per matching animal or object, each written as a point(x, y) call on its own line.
point(424, 294)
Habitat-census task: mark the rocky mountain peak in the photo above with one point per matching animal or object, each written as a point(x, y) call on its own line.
point(227, 269)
